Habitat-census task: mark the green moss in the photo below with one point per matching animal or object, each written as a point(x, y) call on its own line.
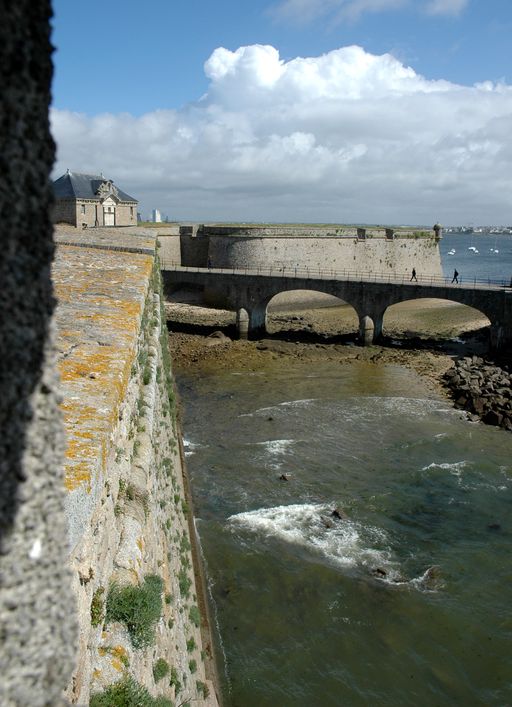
point(98, 607)
point(194, 616)
point(203, 689)
point(127, 693)
point(160, 669)
point(139, 608)
point(175, 681)
point(192, 665)
point(191, 645)
point(184, 582)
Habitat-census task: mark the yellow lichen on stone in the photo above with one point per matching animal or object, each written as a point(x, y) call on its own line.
point(120, 653)
point(117, 665)
point(101, 299)
point(78, 475)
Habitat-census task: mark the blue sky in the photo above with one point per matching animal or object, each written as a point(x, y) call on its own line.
point(128, 73)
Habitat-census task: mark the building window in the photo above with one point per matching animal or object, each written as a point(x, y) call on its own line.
point(131, 210)
point(83, 208)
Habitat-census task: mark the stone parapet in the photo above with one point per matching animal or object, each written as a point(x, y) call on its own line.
point(127, 508)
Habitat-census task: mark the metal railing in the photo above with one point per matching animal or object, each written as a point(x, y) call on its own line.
point(343, 275)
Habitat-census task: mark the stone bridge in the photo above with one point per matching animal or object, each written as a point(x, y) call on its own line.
point(249, 291)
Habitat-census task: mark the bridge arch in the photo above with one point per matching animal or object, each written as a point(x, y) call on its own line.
point(434, 317)
point(310, 311)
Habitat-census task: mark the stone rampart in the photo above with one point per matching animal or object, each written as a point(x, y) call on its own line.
point(128, 514)
point(321, 252)
point(330, 248)
point(364, 250)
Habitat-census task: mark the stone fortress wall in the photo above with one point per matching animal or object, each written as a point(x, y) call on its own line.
point(362, 250)
point(317, 248)
point(129, 521)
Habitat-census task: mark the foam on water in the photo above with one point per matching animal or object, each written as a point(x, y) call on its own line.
point(278, 408)
point(455, 468)
point(276, 446)
point(343, 542)
point(274, 451)
point(190, 447)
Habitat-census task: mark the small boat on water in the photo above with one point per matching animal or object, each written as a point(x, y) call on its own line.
point(451, 252)
point(472, 247)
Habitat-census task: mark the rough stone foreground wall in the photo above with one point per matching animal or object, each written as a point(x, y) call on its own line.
point(37, 616)
point(127, 511)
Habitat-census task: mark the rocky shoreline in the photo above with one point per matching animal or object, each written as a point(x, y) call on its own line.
point(483, 389)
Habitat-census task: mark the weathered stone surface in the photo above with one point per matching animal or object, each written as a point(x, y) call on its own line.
point(126, 503)
point(37, 623)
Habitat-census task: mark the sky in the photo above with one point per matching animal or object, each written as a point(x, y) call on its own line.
point(308, 111)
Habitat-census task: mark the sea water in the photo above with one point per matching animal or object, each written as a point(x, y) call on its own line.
point(404, 599)
point(485, 257)
point(403, 596)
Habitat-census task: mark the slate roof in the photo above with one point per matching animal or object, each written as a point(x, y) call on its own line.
point(73, 185)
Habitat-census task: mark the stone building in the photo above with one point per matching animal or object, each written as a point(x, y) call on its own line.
point(89, 200)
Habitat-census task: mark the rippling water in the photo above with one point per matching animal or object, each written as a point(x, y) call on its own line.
point(314, 610)
point(477, 256)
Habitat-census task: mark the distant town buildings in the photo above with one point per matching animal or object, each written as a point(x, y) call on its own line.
point(483, 230)
point(88, 201)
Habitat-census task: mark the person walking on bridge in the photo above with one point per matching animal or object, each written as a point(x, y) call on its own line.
point(455, 277)
point(413, 276)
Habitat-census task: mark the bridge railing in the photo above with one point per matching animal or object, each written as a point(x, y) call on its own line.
point(336, 274)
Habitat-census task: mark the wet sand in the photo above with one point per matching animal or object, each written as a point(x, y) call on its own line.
point(423, 335)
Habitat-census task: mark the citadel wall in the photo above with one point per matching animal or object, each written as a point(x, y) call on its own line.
point(376, 250)
point(128, 514)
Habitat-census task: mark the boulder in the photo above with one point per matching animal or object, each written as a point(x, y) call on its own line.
point(339, 514)
point(492, 417)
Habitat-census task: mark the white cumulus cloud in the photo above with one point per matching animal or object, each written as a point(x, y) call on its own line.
point(347, 136)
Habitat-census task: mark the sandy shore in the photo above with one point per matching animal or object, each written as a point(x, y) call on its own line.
point(423, 335)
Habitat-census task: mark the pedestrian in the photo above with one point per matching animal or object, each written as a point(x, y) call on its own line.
point(455, 277)
point(209, 262)
point(413, 276)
